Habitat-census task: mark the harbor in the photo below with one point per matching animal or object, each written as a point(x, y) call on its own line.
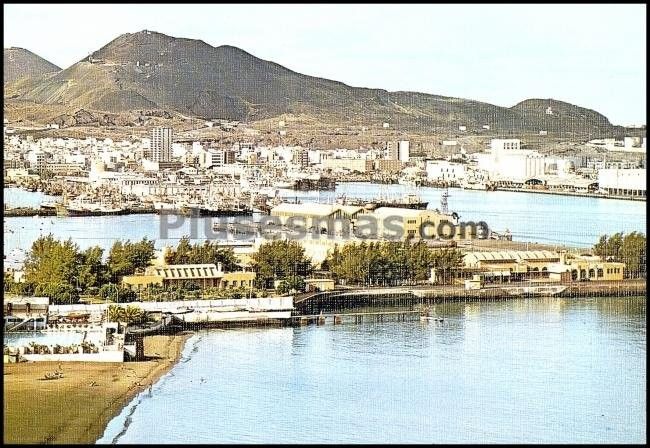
point(206, 244)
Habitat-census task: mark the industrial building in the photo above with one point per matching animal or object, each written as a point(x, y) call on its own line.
point(627, 182)
point(314, 216)
point(558, 266)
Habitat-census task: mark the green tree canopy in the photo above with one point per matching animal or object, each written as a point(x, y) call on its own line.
point(278, 260)
point(389, 263)
point(92, 270)
point(201, 253)
point(52, 261)
point(625, 248)
point(127, 258)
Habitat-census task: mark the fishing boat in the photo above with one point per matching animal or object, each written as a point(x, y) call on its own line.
point(425, 315)
point(213, 210)
point(285, 184)
point(411, 201)
point(473, 184)
point(48, 205)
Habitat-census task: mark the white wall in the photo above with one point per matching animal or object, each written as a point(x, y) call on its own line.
point(442, 170)
point(628, 179)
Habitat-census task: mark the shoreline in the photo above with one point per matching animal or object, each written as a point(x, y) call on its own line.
point(77, 410)
point(69, 410)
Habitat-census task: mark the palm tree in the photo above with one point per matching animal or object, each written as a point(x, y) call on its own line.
point(115, 313)
point(133, 314)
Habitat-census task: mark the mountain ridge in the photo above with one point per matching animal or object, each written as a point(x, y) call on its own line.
point(20, 63)
point(150, 70)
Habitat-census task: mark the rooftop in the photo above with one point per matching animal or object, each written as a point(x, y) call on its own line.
point(306, 209)
point(186, 271)
point(405, 212)
point(514, 255)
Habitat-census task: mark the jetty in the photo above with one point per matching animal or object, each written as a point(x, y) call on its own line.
point(314, 303)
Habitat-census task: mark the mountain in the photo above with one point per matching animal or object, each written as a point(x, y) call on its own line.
point(20, 64)
point(149, 70)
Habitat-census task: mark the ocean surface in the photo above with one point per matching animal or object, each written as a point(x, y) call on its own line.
point(552, 219)
point(549, 370)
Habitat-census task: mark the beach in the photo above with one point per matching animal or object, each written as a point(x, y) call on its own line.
point(77, 407)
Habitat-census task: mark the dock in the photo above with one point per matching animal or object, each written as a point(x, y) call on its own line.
point(354, 317)
point(384, 297)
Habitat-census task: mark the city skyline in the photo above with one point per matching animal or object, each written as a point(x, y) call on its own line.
point(427, 45)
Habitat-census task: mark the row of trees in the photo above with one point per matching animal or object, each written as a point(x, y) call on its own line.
point(626, 248)
point(390, 263)
point(61, 271)
point(199, 253)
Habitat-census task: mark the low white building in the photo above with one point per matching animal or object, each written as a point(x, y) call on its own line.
point(627, 182)
point(444, 171)
point(512, 164)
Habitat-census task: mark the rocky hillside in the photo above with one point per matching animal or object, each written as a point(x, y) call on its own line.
point(149, 71)
point(21, 64)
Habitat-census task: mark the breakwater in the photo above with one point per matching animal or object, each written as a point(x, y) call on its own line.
point(32, 211)
point(338, 300)
point(27, 211)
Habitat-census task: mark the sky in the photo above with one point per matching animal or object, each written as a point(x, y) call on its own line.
point(590, 55)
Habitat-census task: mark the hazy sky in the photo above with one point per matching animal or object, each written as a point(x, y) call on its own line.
point(590, 55)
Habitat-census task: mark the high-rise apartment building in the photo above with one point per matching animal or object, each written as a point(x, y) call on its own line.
point(161, 145)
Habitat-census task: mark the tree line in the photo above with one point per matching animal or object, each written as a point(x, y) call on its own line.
point(390, 263)
point(628, 248)
point(62, 271)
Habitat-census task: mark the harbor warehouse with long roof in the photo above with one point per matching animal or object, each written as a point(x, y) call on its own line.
point(382, 222)
point(314, 215)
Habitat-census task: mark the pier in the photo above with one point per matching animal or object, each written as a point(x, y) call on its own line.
point(355, 317)
point(314, 303)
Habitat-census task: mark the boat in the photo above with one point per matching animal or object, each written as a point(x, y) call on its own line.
point(425, 315)
point(207, 210)
point(165, 208)
point(284, 184)
point(473, 184)
point(183, 310)
point(49, 205)
point(409, 181)
point(98, 210)
point(409, 201)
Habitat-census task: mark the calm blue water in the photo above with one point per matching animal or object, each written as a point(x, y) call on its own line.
point(573, 221)
point(539, 371)
point(17, 197)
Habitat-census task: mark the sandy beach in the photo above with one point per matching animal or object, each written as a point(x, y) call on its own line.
point(77, 407)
